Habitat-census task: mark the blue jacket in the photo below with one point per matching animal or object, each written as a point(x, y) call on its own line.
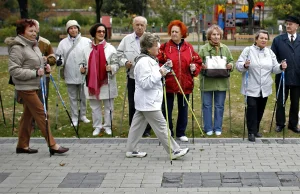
point(284, 49)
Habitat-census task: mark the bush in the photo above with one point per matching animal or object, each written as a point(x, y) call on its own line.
point(82, 20)
point(5, 32)
point(51, 33)
point(11, 20)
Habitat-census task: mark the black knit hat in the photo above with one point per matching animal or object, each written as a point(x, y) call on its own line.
point(293, 19)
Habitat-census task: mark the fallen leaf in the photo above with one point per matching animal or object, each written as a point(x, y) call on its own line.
point(62, 164)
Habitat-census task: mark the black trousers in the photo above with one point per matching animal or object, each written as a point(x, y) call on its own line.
point(182, 117)
point(294, 93)
point(255, 110)
point(131, 107)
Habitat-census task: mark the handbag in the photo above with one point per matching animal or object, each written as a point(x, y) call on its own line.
point(216, 66)
point(62, 69)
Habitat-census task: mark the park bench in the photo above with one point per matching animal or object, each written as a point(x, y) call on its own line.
point(243, 37)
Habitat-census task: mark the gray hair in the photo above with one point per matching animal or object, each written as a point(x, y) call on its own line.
point(259, 32)
point(157, 36)
point(210, 30)
point(147, 41)
point(141, 18)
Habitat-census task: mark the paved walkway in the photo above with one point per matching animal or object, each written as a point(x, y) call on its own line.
point(223, 166)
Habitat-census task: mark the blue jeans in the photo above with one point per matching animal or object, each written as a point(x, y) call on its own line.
point(219, 99)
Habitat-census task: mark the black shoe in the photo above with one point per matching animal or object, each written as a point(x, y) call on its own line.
point(279, 128)
point(251, 137)
point(26, 151)
point(60, 150)
point(146, 135)
point(258, 134)
point(294, 129)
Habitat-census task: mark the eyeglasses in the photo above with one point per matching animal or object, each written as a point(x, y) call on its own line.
point(100, 31)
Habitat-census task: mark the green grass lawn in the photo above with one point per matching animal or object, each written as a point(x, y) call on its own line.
point(64, 128)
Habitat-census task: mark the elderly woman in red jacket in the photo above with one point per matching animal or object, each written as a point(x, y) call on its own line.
point(186, 65)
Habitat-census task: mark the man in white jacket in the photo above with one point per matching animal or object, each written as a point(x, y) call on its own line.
point(70, 51)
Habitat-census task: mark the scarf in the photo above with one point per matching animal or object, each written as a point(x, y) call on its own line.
point(215, 44)
point(96, 76)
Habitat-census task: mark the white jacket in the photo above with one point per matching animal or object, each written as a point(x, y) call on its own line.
point(263, 62)
point(148, 94)
point(112, 59)
point(127, 50)
point(72, 71)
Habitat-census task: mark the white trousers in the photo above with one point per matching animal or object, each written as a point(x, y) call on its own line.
point(73, 91)
point(96, 106)
point(159, 125)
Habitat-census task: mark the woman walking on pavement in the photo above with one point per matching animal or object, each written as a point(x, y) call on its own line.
point(218, 63)
point(26, 66)
point(70, 51)
point(148, 100)
point(101, 81)
point(186, 66)
point(259, 62)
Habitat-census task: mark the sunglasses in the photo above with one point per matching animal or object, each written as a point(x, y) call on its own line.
point(100, 31)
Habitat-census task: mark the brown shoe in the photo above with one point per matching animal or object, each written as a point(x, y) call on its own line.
point(26, 151)
point(60, 150)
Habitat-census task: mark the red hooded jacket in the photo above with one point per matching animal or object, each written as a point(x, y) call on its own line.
point(181, 60)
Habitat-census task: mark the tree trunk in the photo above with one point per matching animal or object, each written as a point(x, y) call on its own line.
point(250, 19)
point(23, 4)
point(144, 8)
point(99, 4)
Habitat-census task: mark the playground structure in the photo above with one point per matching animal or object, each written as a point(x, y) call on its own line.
point(232, 18)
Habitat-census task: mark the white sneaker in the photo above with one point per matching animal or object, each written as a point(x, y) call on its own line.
point(179, 153)
point(209, 133)
point(75, 123)
point(184, 139)
point(108, 131)
point(136, 154)
point(85, 120)
point(96, 132)
point(218, 133)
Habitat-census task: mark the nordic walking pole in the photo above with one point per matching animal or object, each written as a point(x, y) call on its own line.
point(283, 98)
point(2, 109)
point(187, 101)
point(79, 107)
point(110, 111)
point(245, 103)
point(275, 105)
point(167, 118)
point(229, 103)
point(79, 97)
point(193, 123)
point(45, 111)
point(63, 103)
point(246, 88)
point(124, 101)
point(14, 113)
point(201, 112)
point(57, 97)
